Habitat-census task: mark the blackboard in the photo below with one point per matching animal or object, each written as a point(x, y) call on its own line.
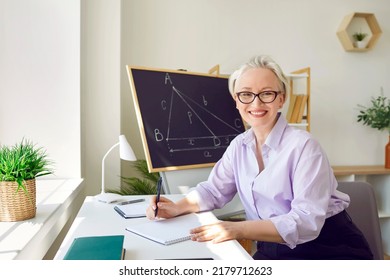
point(186, 119)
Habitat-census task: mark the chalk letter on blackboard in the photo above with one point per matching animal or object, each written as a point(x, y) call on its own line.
point(217, 142)
point(168, 78)
point(204, 101)
point(158, 135)
point(206, 154)
point(163, 104)
point(191, 142)
point(189, 116)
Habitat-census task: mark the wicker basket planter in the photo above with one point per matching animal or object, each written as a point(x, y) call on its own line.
point(17, 206)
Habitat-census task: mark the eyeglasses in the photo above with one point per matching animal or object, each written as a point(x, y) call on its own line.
point(248, 97)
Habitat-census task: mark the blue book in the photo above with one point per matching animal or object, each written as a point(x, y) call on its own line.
point(107, 247)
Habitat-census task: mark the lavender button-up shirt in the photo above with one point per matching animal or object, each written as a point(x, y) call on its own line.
point(296, 190)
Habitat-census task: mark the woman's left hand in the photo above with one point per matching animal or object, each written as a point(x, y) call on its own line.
point(217, 232)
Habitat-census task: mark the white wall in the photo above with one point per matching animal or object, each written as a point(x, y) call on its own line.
point(100, 81)
point(40, 78)
point(197, 35)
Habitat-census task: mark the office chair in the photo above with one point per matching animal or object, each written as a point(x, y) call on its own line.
point(363, 200)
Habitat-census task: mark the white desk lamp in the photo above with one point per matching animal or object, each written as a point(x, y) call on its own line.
point(125, 153)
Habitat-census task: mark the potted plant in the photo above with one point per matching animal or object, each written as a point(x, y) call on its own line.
point(359, 39)
point(139, 186)
point(19, 166)
point(378, 116)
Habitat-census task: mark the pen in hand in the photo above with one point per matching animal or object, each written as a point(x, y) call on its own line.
point(159, 183)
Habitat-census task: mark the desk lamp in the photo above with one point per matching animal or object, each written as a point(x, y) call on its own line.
point(125, 153)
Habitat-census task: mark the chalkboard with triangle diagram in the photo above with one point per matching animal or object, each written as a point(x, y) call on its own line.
point(186, 120)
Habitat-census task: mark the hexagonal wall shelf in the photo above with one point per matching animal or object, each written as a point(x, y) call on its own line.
point(365, 20)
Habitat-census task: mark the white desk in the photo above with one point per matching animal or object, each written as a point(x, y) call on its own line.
point(96, 218)
point(31, 239)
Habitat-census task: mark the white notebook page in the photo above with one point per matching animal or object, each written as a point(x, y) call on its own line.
point(167, 231)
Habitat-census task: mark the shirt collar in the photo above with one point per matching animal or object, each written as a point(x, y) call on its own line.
point(275, 135)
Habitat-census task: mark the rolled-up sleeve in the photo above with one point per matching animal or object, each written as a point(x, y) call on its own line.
point(312, 185)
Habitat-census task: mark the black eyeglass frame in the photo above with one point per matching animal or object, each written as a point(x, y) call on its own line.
point(276, 93)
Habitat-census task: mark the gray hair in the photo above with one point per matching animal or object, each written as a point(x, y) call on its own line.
point(260, 61)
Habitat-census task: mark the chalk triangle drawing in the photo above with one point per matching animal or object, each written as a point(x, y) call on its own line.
point(215, 132)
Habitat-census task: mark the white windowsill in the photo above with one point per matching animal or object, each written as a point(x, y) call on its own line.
point(31, 239)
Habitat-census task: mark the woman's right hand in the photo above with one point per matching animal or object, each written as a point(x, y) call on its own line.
point(166, 208)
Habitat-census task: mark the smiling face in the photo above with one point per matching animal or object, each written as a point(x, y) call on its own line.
point(257, 114)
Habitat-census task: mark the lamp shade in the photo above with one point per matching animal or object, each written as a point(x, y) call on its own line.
point(125, 150)
point(125, 153)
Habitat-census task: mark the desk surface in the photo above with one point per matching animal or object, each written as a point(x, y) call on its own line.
point(96, 218)
point(30, 239)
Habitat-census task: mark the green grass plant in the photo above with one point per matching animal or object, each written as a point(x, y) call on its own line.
point(23, 161)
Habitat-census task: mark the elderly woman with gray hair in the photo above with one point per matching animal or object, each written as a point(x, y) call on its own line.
point(282, 176)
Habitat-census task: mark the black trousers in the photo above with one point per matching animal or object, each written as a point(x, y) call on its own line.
point(339, 239)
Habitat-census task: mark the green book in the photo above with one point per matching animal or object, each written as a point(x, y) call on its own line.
point(108, 247)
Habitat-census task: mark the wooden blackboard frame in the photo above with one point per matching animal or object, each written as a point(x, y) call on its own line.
point(186, 119)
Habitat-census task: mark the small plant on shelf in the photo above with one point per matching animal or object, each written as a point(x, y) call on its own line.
point(359, 40)
point(359, 36)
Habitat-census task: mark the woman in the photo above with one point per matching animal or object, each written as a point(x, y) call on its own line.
point(282, 176)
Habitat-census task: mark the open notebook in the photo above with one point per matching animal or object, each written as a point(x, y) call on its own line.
point(167, 231)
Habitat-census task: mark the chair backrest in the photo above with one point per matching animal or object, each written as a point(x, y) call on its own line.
point(364, 213)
